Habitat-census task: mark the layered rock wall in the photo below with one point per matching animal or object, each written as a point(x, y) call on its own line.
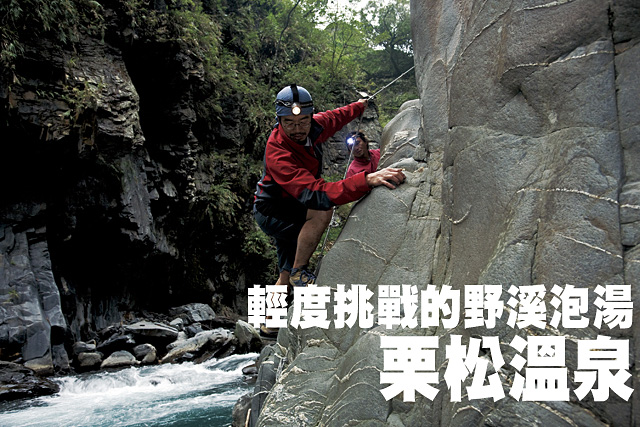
point(109, 172)
point(526, 173)
point(530, 105)
point(128, 176)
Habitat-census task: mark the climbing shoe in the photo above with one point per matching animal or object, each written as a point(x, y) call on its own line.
point(301, 277)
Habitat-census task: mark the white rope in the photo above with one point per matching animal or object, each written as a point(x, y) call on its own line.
point(346, 169)
point(393, 81)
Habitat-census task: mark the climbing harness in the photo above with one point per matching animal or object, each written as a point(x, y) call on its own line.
point(346, 169)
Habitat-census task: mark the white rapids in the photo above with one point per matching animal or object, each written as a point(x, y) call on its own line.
point(161, 395)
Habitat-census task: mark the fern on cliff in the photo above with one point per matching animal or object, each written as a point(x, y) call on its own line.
point(63, 20)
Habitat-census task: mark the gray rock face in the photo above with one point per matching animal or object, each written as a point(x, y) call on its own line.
point(197, 345)
point(195, 312)
point(119, 359)
point(271, 362)
point(400, 135)
point(533, 126)
point(526, 172)
point(31, 319)
point(336, 372)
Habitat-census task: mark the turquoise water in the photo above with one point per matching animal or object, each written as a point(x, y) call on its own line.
point(162, 395)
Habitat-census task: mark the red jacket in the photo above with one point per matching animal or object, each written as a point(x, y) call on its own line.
point(291, 181)
point(363, 165)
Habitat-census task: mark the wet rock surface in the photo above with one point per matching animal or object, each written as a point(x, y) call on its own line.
point(119, 359)
point(19, 382)
point(143, 342)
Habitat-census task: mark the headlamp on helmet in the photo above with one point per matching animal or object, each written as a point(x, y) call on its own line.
point(294, 100)
point(352, 139)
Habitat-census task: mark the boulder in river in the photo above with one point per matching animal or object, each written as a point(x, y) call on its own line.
point(199, 344)
point(119, 359)
point(83, 347)
point(153, 330)
point(18, 382)
point(88, 361)
point(145, 353)
point(248, 337)
point(117, 342)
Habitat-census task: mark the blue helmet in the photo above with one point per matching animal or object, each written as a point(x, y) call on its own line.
point(293, 100)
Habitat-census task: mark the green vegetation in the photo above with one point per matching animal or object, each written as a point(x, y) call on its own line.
point(14, 296)
point(65, 20)
point(223, 204)
point(248, 49)
point(80, 100)
point(387, 29)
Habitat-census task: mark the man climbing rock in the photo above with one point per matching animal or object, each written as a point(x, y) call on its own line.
point(364, 159)
point(292, 203)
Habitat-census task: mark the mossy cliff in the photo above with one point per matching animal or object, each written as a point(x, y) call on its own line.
point(131, 140)
point(128, 161)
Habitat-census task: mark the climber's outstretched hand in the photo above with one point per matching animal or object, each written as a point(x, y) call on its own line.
point(390, 177)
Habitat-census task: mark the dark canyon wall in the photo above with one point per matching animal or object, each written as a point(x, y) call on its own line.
point(121, 193)
point(527, 173)
point(128, 170)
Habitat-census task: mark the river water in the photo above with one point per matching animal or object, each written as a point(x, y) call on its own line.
point(161, 395)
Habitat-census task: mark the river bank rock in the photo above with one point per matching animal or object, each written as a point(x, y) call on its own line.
point(83, 347)
point(152, 341)
point(88, 361)
point(194, 313)
point(248, 337)
point(154, 333)
point(145, 353)
point(130, 345)
point(241, 410)
point(119, 359)
point(177, 323)
point(118, 341)
point(191, 348)
point(19, 382)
